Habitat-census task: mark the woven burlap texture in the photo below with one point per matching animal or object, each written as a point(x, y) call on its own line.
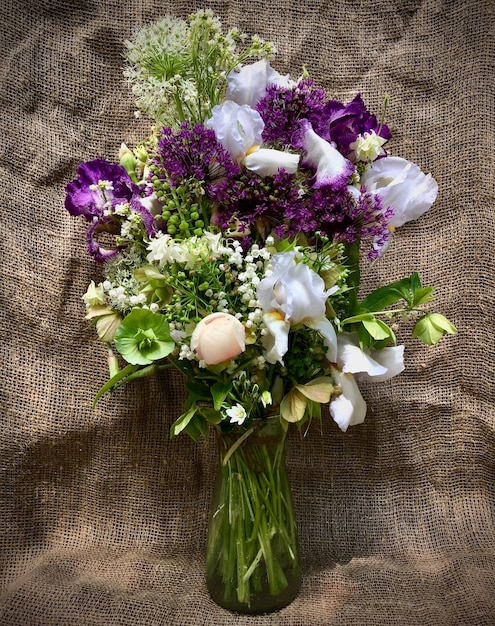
point(103, 518)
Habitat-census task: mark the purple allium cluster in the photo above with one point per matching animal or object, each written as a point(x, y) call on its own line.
point(259, 205)
point(193, 153)
point(283, 108)
point(343, 218)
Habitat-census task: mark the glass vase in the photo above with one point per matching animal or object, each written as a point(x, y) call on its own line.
point(252, 553)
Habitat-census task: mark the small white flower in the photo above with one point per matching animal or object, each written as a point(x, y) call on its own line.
point(237, 414)
point(163, 249)
point(94, 295)
point(368, 146)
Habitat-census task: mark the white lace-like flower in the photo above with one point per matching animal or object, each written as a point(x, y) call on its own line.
point(164, 249)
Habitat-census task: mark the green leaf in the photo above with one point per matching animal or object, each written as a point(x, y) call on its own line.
point(378, 329)
point(196, 428)
point(319, 390)
point(422, 296)
point(181, 422)
point(211, 415)
point(118, 379)
point(386, 296)
point(199, 391)
point(432, 327)
point(313, 410)
point(361, 317)
point(219, 392)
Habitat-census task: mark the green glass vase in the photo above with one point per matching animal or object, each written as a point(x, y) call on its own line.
point(252, 553)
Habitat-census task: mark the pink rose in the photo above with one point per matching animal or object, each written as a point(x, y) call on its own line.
point(218, 337)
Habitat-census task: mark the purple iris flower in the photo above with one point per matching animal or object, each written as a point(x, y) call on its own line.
point(341, 124)
point(99, 187)
point(85, 196)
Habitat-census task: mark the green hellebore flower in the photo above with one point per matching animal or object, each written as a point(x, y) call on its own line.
point(143, 337)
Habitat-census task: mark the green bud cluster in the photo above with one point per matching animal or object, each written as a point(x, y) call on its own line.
point(305, 358)
point(182, 218)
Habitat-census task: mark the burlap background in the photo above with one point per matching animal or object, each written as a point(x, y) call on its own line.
point(102, 517)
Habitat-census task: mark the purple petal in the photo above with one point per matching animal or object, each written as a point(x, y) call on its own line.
point(97, 251)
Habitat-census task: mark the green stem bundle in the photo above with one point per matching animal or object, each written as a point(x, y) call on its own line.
point(252, 553)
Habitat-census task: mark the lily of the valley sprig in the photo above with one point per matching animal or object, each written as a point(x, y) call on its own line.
point(236, 230)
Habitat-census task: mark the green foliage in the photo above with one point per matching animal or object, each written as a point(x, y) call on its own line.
point(432, 327)
point(376, 333)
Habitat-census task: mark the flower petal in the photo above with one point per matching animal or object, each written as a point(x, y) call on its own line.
point(248, 85)
point(237, 127)
point(392, 359)
point(332, 169)
point(401, 185)
point(349, 408)
point(267, 162)
point(351, 359)
point(277, 341)
point(325, 327)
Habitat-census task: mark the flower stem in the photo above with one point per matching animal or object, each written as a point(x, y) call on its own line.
point(252, 544)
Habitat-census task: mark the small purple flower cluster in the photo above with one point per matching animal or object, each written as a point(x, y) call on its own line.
point(193, 153)
point(282, 110)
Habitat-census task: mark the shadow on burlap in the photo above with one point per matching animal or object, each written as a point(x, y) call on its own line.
point(103, 518)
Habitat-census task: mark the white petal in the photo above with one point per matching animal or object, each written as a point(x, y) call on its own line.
point(332, 168)
point(248, 85)
point(236, 127)
point(392, 359)
point(352, 359)
point(349, 408)
point(267, 162)
point(402, 185)
point(325, 327)
point(277, 341)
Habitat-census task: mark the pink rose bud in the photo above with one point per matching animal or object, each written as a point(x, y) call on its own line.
point(218, 337)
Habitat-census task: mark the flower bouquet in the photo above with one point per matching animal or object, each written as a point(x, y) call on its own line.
point(230, 240)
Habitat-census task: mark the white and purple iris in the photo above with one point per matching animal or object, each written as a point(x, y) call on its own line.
point(99, 189)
